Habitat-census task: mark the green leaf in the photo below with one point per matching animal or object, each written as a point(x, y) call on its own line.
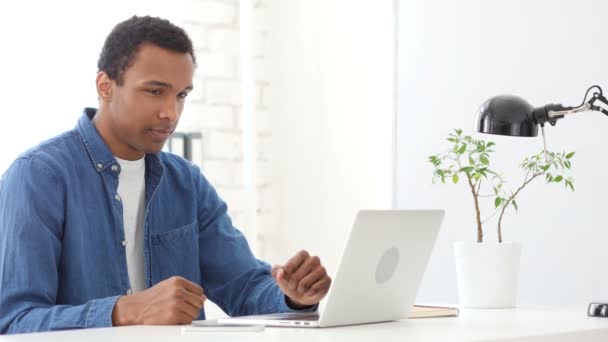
point(466, 169)
point(558, 179)
point(497, 202)
point(462, 149)
point(571, 185)
point(569, 155)
point(452, 140)
point(490, 144)
point(515, 204)
point(471, 161)
point(484, 160)
point(458, 131)
point(455, 179)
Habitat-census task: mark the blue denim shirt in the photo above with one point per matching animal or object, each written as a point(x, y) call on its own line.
point(62, 262)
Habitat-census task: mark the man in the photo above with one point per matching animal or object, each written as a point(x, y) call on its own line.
point(98, 227)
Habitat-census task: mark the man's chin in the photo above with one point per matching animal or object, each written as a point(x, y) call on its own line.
point(154, 147)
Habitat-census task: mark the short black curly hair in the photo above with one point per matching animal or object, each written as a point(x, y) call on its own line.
point(122, 43)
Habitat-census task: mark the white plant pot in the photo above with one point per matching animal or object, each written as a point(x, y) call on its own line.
point(487, 274)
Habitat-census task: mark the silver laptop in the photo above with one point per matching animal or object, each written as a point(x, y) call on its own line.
point(378, 277)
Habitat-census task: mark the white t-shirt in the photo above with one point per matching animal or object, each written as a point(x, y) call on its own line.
point(131, 189)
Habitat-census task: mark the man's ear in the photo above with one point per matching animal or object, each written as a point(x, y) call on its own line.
point(105, 86)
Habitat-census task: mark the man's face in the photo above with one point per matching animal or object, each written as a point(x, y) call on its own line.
point(145, 109)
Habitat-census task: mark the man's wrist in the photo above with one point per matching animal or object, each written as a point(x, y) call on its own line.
point(123, 313)
point(294, 305)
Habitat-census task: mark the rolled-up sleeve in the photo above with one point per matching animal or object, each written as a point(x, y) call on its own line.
point(31, 220)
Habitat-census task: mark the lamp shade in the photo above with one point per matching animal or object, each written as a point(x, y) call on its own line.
point(506, 115)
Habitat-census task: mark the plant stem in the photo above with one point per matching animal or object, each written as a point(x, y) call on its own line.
point(504, 207)
point(477, 211)
point(491, 216)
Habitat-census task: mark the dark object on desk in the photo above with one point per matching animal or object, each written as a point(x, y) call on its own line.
point(187, 143)
point(597, 310)
point(513, 116)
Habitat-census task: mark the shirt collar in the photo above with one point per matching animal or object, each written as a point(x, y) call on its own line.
point(99, 153)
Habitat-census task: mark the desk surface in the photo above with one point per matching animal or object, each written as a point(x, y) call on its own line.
point(522, 324)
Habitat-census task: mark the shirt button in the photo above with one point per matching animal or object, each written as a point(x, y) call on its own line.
point(124, 243)
point(114, 168)
point(129, 291)
point(117, 197)
point(99, 166)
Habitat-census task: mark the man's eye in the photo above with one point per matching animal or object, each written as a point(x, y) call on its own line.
point(154, 91)
point(182, 94)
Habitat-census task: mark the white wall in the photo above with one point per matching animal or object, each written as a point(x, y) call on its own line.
point(453, 55)
point(331, 122)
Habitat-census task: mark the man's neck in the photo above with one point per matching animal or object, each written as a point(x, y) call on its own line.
point(117, 147)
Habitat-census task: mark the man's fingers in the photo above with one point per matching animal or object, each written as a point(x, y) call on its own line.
point(196, 301)
point(189, 310)
point(306, 283)
point(190, 286)
point(319, 289)
point(294, 263)
point(304, 269)
point(182, 300)
point(321, 285)
point(275, 270)
point(185, 318)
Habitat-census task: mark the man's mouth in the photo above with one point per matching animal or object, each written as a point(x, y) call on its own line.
point(160, 134)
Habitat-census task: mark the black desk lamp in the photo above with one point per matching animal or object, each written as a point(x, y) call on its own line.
point(513, 116)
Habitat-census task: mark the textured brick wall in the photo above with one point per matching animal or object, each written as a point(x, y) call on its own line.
point(215, 107)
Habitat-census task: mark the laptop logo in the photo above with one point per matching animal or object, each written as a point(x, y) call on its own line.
point(387, 265)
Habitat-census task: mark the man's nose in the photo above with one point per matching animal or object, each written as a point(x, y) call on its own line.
point(170, 111)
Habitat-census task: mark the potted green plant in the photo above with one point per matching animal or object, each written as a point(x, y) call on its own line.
point(487, 273)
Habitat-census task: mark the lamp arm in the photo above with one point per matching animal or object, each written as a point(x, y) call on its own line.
point(552, 112)
point(598, 97)
point(558, 114)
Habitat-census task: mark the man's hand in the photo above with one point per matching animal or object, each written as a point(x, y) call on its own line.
point(303, 279)
point(172, 301)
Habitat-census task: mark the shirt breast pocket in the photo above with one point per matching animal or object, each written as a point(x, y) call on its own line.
point(175, 253)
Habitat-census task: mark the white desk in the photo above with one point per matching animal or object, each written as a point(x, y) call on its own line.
point(523, 324)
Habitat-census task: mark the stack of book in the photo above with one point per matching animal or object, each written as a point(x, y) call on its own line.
point(429, 311)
